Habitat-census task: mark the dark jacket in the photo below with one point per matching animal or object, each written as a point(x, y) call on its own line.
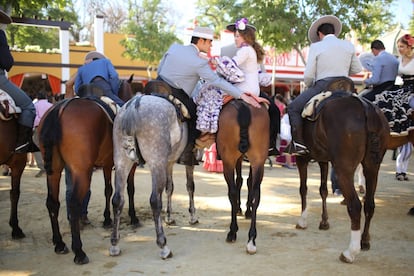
point(6, 59)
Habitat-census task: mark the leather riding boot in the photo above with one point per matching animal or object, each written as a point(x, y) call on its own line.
point(297, 140)
point(24, 138)
point(273, 151)
point(188, 157)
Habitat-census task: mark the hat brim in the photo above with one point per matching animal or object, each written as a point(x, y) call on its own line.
point(94, 55)
point(232, 27)
point(5, 18)
point(330, 19)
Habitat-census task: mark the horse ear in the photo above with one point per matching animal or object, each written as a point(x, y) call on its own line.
point(131, 78)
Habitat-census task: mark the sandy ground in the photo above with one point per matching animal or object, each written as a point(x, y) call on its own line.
point(201, 249)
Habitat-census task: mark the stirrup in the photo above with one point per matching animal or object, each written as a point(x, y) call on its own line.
point(300, 149)
point(22, 148)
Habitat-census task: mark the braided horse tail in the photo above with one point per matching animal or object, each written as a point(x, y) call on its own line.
point(244, 119)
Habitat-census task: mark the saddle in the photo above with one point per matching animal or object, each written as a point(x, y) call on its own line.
point(338, 88)
point(163, 90)
point(94, 92)
point(8, 108)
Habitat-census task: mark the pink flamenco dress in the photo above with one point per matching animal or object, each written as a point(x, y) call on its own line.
point(211, 163)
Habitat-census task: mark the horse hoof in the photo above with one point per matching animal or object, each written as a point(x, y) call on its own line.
point(248, 214)
point(135, 223)
point(344, 259)
point(239, 213)
point(107, 224)
point(18, 234)
point(61, 249)
point(411, 212)
point(251, 248)
point(298, 226)
point(81, 260)
point(114, 250)
point(193, 221)
point(323, 226)
point(170, 222)
point(165, 253)
point(231, 238)
point(365, 246)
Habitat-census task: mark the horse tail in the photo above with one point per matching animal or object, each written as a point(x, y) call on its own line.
point(129, 122)
point(51, 134)
point(374, 126)
point(244, 118)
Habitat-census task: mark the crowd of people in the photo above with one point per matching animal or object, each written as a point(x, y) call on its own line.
point(329, 58)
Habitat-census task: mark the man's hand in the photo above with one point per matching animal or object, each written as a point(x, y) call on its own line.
point(250, 100)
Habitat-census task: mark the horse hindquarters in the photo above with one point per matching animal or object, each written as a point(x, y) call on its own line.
point(229, 137)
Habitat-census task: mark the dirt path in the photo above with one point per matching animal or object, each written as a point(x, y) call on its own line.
point(201, 249)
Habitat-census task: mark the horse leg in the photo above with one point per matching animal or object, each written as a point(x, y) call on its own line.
point(107, 172)
point(323, 191)
point(189, 171)
point(159, 180)
point(371, 176)
point(346, 182)
point(249, 203)
point(302, 165)
point(131, 192)
point(53, 205)
point(122, 170)
point(233, 197)
point(239, 183)
point(16, 175)
point(81, 186)
point(169, 189)
point(257, 176)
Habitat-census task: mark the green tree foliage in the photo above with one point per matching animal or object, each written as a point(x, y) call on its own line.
point(149, 34)
point(46, 38)
point(284, 24)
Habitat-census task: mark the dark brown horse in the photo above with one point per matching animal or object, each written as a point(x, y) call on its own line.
point(77, 133)
point(348, 131)
point(16, 162)
point(243, 131)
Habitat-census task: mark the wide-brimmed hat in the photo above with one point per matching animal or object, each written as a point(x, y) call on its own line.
point(5, 18)
point(203, 32)
point(94, 55)
point(241, 24)
point(330, 19)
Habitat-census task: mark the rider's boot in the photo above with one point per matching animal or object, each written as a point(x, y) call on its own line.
point(297, 140)
point(273, 151)
point(24, 137)
point(188, 157)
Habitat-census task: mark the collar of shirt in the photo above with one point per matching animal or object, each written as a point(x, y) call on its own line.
point(195, 46)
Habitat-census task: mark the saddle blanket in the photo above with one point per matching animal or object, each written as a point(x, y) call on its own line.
point(311, 105)
point(8, 103)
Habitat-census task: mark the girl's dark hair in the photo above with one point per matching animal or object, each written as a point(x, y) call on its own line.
point(249, 35)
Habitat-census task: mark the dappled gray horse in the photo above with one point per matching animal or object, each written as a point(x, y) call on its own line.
point(160, 138)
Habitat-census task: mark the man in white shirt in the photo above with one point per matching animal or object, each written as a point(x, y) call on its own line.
point(329, 58)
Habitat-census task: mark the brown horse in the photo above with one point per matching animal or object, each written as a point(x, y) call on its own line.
point(243, 131)
point(77, 133)
point(348, 131)
point(17, 163)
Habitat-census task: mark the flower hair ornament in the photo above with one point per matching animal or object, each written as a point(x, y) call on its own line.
point(409, 39)
point(240, 25)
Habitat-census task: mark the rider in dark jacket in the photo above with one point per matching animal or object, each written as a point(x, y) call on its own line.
point(22, 100)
